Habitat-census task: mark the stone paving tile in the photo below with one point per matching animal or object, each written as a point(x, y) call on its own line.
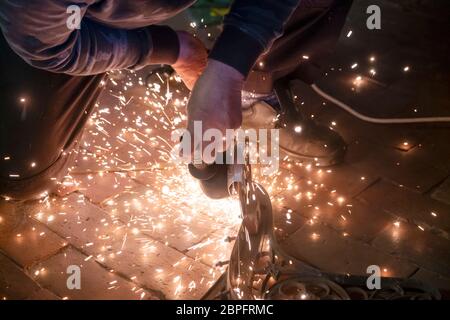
point(359, 221)
point(96, 281)
point(332, 252)
point(348, 180)
point(87, 161)
point(137, 208)
point(126, 249)
point(429, 89)
point(432, 154)
point(301, 194)
point(14, 283)
point(76, 220)
point(346, 215)
point(159, 267)
point(103, 185)
point(355, 220)
point(404, 168)
point(152, 177)
point(310, 195)
point(408, 205)
point(421, 247)
point(435, 150)
point(442, 192)
point(30, 242)
point(286, 220)
point(432, 278)
point(345, 179)
point(206, 251)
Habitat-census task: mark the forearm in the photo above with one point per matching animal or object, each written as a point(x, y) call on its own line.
point(38, 32)
point(97, 49)
point(250, 29)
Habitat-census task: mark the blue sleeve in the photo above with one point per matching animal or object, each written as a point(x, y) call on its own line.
point(37, 30)
point(249, 29)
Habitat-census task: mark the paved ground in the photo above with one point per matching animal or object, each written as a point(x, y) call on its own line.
point(140, 228)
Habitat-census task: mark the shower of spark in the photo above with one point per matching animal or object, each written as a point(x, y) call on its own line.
point(158, 204)
point(155, 202)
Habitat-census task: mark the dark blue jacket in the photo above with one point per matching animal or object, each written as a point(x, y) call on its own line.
point(118, 34)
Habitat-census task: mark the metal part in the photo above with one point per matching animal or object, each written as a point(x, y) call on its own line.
point(240, 182)
point(260, 269)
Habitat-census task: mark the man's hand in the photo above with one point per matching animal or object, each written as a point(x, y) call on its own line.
point(216, 102)
point(191, 60)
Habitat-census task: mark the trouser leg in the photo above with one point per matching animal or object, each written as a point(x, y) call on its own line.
point(41, 117)
point(309, 38)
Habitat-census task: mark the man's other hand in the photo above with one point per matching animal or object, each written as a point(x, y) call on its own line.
point(191, 60)
point(216, 102)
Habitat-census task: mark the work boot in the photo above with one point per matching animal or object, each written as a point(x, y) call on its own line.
point(300, 139)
